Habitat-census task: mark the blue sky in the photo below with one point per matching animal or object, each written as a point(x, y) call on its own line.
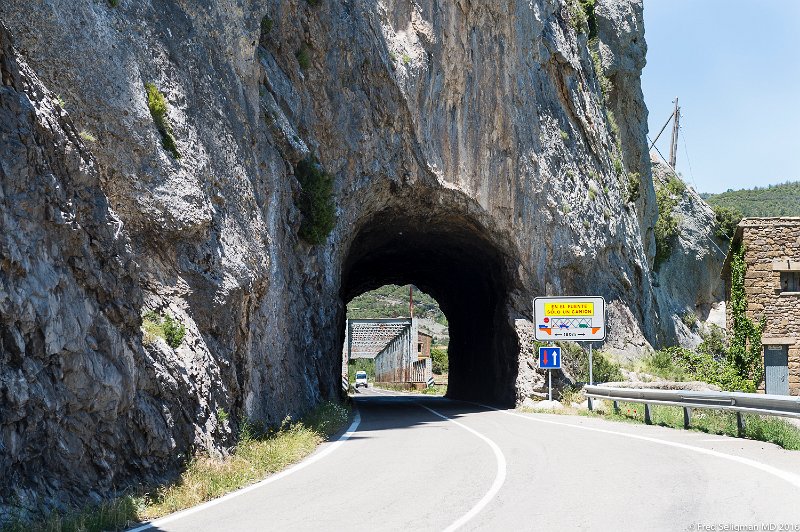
point(735, 67)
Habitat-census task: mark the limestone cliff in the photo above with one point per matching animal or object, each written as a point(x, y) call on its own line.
point(689, 288)
point(473, 150)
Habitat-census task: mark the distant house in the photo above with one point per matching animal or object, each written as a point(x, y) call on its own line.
point(423, 344)
point(772, 285)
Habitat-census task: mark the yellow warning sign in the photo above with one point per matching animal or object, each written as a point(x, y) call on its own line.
point(569, 309)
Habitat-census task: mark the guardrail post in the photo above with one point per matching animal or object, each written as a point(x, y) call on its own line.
point(647, 419)
point(687, 417)
point(740, 424)
point(589, 399)
point(616, 407)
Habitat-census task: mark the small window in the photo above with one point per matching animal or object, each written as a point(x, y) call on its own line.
point(419, 348)
point(790, 281)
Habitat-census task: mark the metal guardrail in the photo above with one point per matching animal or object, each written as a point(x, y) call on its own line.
point(740, 403)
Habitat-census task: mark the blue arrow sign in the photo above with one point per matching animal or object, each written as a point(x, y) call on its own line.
point(550, 357)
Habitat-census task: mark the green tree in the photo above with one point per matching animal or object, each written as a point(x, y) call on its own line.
point(440, 360)
point(726, 221)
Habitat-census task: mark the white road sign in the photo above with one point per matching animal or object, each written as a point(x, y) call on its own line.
point(578, 319)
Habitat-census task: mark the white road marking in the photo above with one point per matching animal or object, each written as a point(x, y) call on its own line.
point(499, 479)
point(791, 478)
point(277, 476)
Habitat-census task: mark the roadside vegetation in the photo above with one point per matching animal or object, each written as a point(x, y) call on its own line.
point(436, 389)
point(575, 359)
point(439, 360)
point(760, 428)
point(711, 362)
point(259, 452)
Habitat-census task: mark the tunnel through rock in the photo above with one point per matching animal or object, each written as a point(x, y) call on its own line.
point(450, 258)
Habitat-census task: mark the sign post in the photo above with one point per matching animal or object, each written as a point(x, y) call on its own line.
point(572, 318)
point(550, 359)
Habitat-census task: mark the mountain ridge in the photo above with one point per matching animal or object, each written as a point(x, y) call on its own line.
point(782, 199)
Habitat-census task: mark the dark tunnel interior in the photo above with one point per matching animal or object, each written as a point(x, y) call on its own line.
point(450, 258)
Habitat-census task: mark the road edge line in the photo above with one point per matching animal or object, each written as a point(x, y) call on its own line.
point(791, 478)
point(311, 459)
point(499, 479)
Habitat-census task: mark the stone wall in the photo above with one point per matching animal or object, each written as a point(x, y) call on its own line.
point(770, 243)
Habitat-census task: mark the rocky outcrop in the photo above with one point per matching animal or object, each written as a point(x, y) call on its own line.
point(689, 288)
point(83, 407)
point(472, 154)
point(622, 50)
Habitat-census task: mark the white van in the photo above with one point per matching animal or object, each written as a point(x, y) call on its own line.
point(361, 379)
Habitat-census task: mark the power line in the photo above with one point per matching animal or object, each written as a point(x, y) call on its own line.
point(664, 160)
point(707, 235)
point(689, 161)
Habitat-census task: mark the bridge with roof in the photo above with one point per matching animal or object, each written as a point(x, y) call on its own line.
point(393, 344)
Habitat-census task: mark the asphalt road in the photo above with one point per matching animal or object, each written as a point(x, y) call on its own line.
point(428, 463)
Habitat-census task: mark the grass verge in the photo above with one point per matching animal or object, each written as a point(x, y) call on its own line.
point(436, 389)
point(760, 428)
point(258, 453)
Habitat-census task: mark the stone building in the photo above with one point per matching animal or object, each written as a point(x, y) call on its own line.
point(772, 285)
point(423, 344)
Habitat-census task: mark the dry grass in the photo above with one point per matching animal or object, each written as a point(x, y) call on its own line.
point(760, 428)
point(436, 389)
point(207, 478)
point(258, 454)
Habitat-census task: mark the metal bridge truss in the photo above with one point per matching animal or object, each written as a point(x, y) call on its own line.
point(393, 345)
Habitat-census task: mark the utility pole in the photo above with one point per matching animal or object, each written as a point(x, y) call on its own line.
point(673, 149)
point(411, 300)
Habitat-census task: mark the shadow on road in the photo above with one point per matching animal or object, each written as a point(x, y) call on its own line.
point(392, 411)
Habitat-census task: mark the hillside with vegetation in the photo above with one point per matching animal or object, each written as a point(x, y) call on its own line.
point(391, 301)
point(774, 200)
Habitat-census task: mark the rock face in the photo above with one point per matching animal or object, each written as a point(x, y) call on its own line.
point(472, 153)
point(84, 405)
point(689, 287)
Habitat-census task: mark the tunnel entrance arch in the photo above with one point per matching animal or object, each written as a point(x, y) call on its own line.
point(451, 257)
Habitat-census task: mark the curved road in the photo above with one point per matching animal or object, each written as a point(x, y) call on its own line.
point(426, 463)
